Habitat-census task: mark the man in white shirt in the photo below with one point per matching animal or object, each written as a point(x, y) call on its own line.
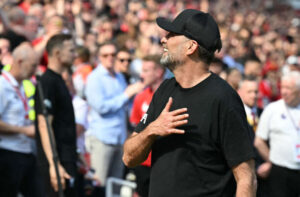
point(17, 162)
point(280, 125)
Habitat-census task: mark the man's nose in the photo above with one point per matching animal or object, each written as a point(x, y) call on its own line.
point(163, 40)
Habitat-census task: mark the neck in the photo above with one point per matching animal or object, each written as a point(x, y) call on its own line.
point(251, 107)
point(190, 74)
point(56, 67)
point(15, 74)
point(110, 70)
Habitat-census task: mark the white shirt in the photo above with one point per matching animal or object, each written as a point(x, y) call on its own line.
point(81, 117)
point(12, 112)
point(276, 125)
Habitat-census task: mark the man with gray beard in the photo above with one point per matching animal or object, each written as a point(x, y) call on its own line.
point(195, 125)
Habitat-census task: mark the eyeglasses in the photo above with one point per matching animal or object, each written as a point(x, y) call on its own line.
point(124, 60)
point(105, 55)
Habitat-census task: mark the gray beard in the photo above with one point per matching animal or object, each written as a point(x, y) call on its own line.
point(169, 62)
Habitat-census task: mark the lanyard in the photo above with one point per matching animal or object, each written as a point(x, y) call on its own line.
point(292, 120)
point(23, 98)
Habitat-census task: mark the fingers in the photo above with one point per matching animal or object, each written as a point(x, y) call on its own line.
point(178, 123)
point(178, 111)
point(67, 176)
point(63, 176)
point(54, 183)
point(180, 117)
point(63, 182)
point(168, 105)
point(175, 112)
point(176, 131)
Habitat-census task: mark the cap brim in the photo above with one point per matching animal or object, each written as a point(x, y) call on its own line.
point(166, 25)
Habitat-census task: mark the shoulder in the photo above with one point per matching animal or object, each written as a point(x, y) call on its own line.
point(278, 103)
point(121, 77)
point(48, 76)
point(166, 84)
point(51, 81)
point(94, 74)
point(143, 95)
point(275, 106)
point(2, 80)
point(222, 92)
point(165, 89)
point(3, 84)
point(220, 85)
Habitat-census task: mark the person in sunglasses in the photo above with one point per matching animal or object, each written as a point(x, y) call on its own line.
point(107, 95)
point(123, 63)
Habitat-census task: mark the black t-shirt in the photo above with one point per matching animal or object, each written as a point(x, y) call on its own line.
point(59, 104)
point(217, 137)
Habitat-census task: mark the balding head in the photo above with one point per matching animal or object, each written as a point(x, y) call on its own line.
point(24, 62)
point(22, 51)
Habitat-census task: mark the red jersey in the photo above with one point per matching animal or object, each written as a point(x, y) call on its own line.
point(140, 106)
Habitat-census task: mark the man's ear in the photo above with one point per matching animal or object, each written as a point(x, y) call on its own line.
point(192, 47)
point(56, 52)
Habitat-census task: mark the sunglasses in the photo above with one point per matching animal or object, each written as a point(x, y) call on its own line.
point(124, 60)
point(105, 55)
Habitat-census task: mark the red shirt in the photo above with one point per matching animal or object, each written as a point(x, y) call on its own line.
point(266, 94)
point(44, 58)
point(140, 106)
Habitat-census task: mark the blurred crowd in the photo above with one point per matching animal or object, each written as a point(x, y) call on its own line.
point(260, 41)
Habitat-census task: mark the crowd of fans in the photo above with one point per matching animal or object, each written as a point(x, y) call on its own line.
point(260, 39)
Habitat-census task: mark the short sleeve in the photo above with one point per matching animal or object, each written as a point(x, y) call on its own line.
point(49, 96)
point(236, 137)
point(264, 123)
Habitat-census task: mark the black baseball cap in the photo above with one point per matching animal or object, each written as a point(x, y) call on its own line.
point(196, 25)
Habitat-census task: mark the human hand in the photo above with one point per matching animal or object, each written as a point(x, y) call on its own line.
point(264, 170)
point(133, 89)
point(63, 176)
point(168, 121)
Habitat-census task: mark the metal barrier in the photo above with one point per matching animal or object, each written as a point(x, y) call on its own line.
point(126, 187)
